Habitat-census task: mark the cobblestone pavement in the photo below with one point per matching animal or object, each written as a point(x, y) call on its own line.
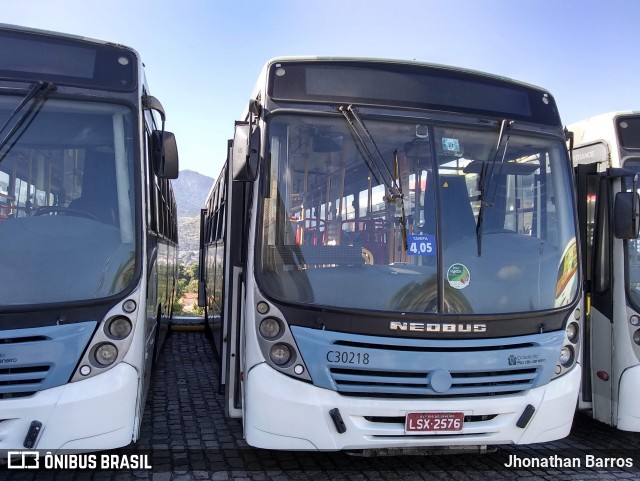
point(187, 438)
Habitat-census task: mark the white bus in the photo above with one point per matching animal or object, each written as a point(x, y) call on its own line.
point(606, 154)
point(389, 260)
point(88, 240)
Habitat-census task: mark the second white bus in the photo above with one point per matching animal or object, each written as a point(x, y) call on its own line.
point(606, 156)
point(88, 241)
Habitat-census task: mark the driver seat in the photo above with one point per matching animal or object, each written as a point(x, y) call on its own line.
point(458, 220)
point(99, 192)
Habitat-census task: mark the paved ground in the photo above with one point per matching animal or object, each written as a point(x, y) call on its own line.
point(186, 437)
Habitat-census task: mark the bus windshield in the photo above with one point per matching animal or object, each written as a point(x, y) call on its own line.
point(66, 203)
point(331, 235)
point(633, 246)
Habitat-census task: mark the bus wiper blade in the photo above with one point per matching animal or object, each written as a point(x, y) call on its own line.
point(485, 178)
point(39, 90)
point(374, 169)
point(394, 195)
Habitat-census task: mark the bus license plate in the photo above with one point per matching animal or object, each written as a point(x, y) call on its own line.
point(433, 422)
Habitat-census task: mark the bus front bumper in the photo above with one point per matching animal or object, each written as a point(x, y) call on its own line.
point(284, 413)
point(93, 414)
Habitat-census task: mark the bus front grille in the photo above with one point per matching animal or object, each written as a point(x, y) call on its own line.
point(416, 384)
point(21, 381)
point(40, 358)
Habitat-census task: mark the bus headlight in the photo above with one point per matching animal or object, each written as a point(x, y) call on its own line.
point(277, 343)
point(119, 328)
point(569, 353)
point(572, 331)
point(280, 354)
point(270, 328)
point(105, 354)
point(636, 337)
point(111, 340)
point(567, 356)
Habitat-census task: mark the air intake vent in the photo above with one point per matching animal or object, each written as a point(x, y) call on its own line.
point(18, 340)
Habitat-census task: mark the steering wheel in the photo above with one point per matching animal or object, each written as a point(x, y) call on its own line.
point(64, 210)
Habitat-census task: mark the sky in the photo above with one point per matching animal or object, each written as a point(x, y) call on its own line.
point(203, 57)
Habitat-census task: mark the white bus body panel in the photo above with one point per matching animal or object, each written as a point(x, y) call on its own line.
point(628, 412)
point(601, 349)
point(284, 413)
point(93, 414)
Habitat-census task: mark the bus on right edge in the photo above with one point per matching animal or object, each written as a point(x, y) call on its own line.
point(606, 157)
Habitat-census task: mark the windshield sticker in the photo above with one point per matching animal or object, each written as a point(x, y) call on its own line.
point(421, 245)
point(565, 287)
point(451, 145)
point(458, 276)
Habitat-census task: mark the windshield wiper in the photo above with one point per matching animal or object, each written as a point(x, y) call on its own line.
point(39, 90)
point(393, 195)
point(485, 178)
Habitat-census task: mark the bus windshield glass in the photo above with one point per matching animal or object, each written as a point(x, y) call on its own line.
point(66, 203)
point(331, 234)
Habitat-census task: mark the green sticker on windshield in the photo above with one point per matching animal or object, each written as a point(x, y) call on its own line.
point(458, 276)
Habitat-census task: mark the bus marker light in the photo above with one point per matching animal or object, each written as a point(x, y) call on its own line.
point(129, 306)
point(262, 307)
point(634, 320)
point(603, 375)
point(298, 369)
point(85, 370)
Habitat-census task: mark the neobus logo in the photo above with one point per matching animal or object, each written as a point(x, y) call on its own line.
point(436, 327)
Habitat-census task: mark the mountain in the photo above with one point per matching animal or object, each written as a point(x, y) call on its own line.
point(191, 190)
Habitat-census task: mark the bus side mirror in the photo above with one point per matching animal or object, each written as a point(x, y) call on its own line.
point(625, 215)
point(245, 152)
point(165, 154)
